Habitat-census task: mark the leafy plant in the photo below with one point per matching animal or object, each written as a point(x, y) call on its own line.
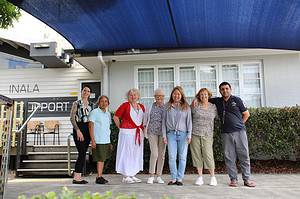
point(8, 13)
point(69, 194)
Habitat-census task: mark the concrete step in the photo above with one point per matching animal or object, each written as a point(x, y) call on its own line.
point(54, 155)
point(43, 172)
point(50, 148)
point(47, 165)
point(46, 161)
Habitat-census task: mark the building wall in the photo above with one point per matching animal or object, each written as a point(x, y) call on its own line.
point(58, 82)
point(280, 81)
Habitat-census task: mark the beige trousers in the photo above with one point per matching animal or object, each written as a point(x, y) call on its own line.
point(158, 149)
point(202, 152)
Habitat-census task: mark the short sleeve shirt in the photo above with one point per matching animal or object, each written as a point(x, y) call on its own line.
point(230, 113)
point(102, 121)
point(203, 120)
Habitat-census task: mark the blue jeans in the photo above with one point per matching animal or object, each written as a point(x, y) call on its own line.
point(177, 143)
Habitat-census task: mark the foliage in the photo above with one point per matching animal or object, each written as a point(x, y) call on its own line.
point(69, 194)
point(273, 133)
point(8, 13)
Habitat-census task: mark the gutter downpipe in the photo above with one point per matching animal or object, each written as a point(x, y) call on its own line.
point(105, 84)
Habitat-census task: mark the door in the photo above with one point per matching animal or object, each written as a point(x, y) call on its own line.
point(95, 90)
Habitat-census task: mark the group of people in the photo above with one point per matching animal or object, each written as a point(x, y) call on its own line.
point(173, 125)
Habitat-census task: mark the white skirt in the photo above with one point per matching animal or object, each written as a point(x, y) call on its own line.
point(129, 155)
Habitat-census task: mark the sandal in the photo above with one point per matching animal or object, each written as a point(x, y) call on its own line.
point(249, 183)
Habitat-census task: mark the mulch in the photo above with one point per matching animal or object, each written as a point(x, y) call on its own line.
point(260, 166)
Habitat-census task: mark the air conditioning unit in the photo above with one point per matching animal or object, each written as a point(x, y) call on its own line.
point(50, 55)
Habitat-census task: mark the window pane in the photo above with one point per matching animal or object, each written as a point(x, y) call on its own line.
point(167, 88)
point(147, 102)
point(146, 75)
point(187, 74)
point(252, 87)
point(188, 80)
point(146, 85)
point(251, 71)
point(165, 74)
point(189, 88)
point(211, 86)
point(230, 74)
point(146, 89)
point(253, 100)
point(166, 80)
point(207, 73)
point(208, 78)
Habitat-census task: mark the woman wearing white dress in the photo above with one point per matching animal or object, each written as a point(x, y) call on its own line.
point(130, 149)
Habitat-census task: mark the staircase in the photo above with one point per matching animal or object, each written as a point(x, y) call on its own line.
point(47, 160)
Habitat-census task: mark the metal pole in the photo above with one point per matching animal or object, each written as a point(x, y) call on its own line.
point(69, 155)
point(6, 152)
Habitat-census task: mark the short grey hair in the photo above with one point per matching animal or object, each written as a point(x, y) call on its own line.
point(159, 91)
point(133, 90)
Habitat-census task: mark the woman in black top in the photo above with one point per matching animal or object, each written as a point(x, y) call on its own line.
point(79, 119)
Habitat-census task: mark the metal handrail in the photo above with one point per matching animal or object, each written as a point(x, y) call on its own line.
point(30, 116)
point(69, 153)
point(20, 143)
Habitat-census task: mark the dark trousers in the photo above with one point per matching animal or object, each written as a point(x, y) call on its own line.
point(81, 146)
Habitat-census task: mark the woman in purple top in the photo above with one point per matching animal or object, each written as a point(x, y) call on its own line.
point(177, 129)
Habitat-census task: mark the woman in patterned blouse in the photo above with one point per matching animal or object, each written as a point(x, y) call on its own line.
point(153, 132)
point(203, 115)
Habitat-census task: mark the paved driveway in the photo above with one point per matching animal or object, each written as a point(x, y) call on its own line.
point(268, 186)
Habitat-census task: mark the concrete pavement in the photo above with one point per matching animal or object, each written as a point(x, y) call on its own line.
point(268, 186)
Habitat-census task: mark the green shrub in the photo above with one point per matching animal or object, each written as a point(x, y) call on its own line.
point(273, 133)
point(69, 194)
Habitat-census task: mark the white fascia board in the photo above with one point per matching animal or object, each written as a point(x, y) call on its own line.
point(192, 54)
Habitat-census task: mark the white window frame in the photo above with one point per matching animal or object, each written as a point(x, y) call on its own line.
point(218, 68)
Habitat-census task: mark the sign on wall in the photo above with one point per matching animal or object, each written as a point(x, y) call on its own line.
point(50, 106)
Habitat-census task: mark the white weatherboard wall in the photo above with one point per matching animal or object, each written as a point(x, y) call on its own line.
point(58, 82)
point(281, 81)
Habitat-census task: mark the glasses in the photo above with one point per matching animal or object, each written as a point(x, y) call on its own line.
point(158, 96)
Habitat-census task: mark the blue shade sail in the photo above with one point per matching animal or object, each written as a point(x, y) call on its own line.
point(111, 25)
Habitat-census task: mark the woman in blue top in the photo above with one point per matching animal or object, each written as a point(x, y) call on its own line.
point(99, 126)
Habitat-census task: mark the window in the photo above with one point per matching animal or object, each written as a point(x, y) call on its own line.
point(230, 73)
point(166, 81)
point(146, 85)
point(244, 77)
point(188, 81)
point(208, 78)
point(251, 85)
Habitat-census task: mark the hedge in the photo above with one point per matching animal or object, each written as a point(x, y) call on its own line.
point(273, 133)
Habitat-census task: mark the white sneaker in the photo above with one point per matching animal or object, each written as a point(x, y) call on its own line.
point(150, 180)
point(135, 179)
point(159, 180)
point(213, 181)
point(199, 181)
point(128, 180)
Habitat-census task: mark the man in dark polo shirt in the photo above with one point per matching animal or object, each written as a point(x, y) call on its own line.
point(233, 115)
